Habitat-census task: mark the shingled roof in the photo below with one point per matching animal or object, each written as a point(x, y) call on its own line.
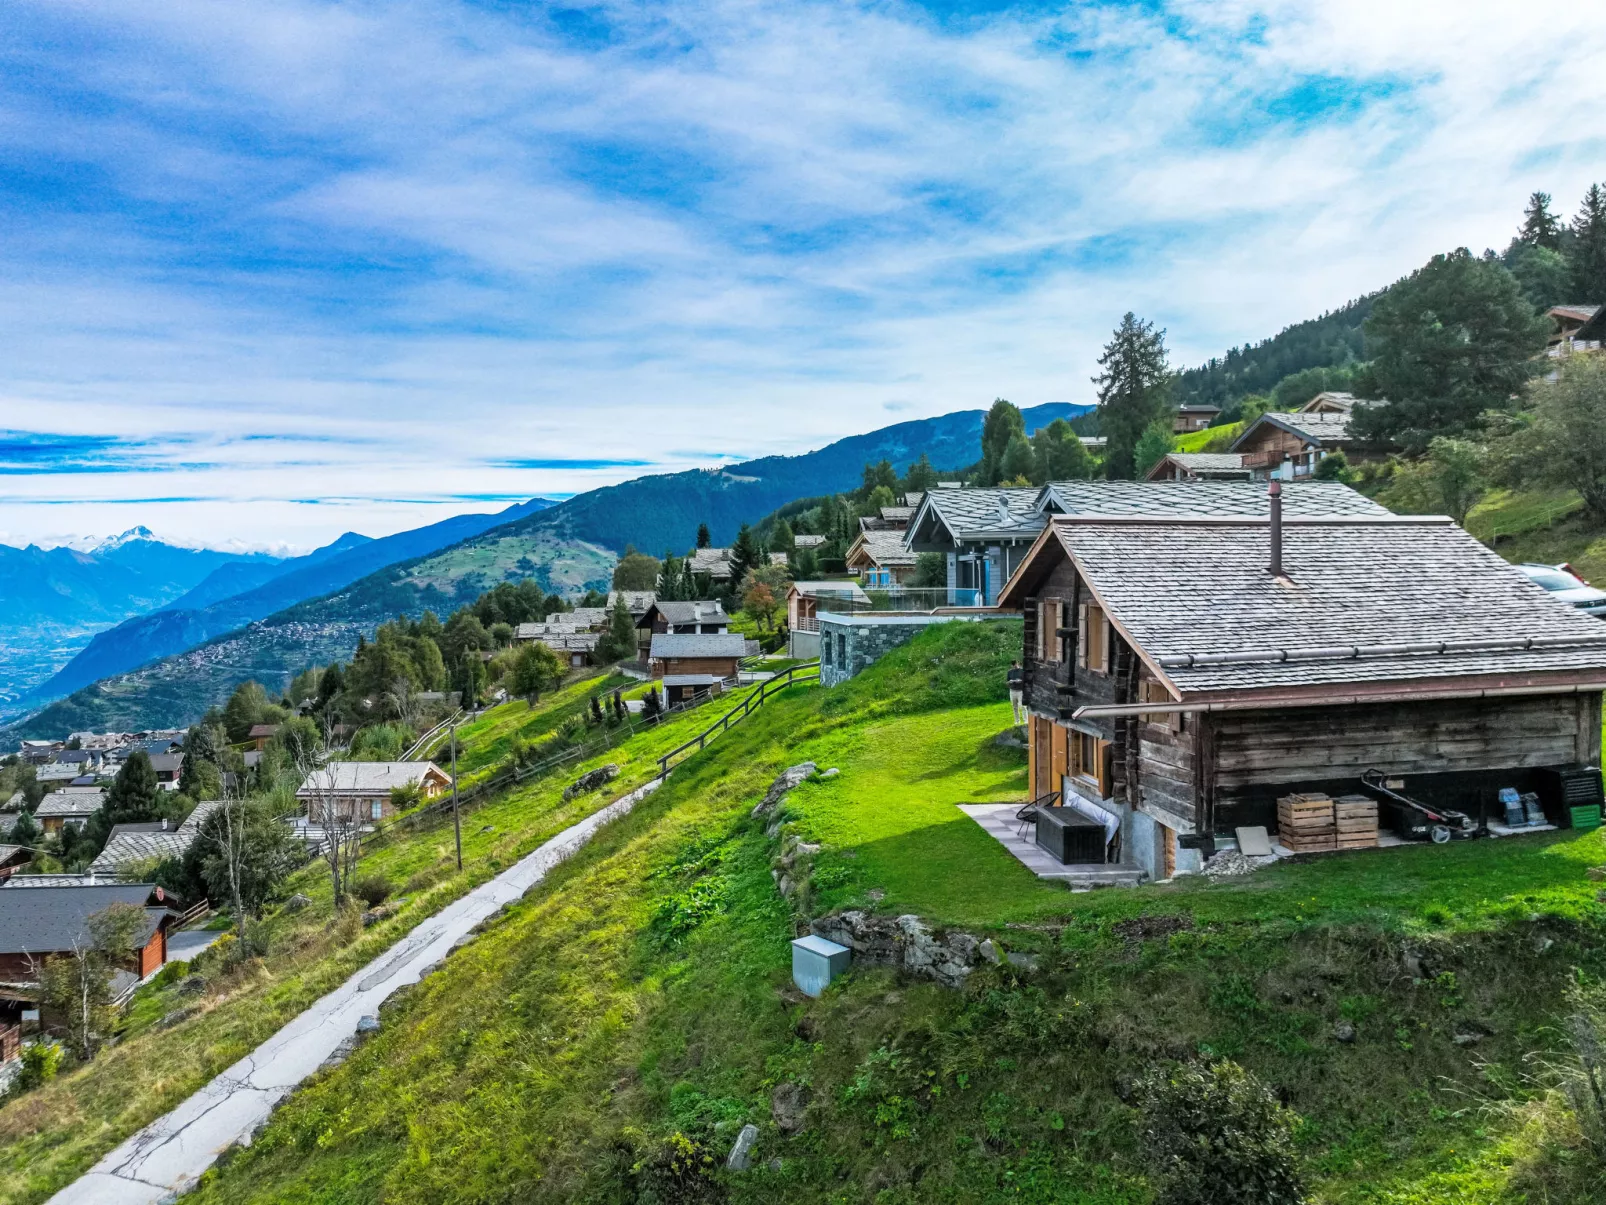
point(47, 920)
point(1327, 430)
point(974, 514)
point(1200, 499)
point(1413, 601)
point(698, 644)
point(368, 777)
point(883, 548)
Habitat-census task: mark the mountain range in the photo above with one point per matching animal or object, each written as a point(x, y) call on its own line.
point(190, 658)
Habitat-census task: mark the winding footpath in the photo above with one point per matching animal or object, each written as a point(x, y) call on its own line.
point(168, 1156)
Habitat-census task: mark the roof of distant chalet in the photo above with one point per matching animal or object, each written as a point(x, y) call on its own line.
point(1311, 427)
point(1412, 601)
point(70, 803)
point(46, 920)
point(675, 611)
point(1204, 464)
point(368, 777)
point(680, 645)
point(975, 514)
point(882, 548)
point(135, 843)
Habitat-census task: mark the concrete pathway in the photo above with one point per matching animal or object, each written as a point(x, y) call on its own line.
point(170, 1154)
point(183, 946)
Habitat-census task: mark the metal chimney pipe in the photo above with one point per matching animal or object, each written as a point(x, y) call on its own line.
point(1275, 494)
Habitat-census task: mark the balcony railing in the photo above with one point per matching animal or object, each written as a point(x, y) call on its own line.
point(898, 598)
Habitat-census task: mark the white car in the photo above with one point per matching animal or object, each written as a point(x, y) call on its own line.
point(1566, 586)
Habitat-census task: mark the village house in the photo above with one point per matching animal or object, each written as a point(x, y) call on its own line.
point(687, 664)
point(880, 560)
point(1195, 416)
point(132, 846)
point(681, 618)
point(39, 922)
point(1199, 466)
point(1578, 328)
point(361, 790)
point(981, 533)
point(261, 734)
point(804, 602)
point(168, 767)
point(1289, 446)
point(70, 805)
point(1184, 672)
point(37, 753)
point(12, 858)
point(715, 563)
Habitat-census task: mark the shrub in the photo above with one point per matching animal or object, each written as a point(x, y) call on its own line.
point(40, 1062)
point(1218, 1137)
point(679, 1172)
point(373, 889)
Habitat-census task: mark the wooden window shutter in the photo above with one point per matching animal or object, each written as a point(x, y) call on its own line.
point(1081, 635)
point(1105, 769)
point(1106, 631)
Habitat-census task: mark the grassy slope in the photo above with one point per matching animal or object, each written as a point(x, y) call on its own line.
point(551, 1058)
point(1211, 439)
point(49, 1136)
point(485, 741)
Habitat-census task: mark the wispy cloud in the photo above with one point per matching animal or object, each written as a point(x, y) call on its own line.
point(504, 248)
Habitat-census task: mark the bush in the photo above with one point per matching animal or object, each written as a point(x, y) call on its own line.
point(373, 889)
point(1218, 1137)
point(40, 1062)
point(679, 1172)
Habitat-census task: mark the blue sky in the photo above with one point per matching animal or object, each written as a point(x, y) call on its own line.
point(276, 271)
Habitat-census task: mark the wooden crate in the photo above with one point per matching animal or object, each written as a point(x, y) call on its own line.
point(1305, 823)
point(1355, 821)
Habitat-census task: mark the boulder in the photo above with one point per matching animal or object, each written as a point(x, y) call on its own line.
point(297, 902)
point(741, 1156)
point(1344, 1032)
point(788, 1104)
point(586, 783)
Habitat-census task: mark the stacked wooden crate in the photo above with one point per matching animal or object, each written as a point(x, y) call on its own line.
point(1355, 822)
point(1305, 823)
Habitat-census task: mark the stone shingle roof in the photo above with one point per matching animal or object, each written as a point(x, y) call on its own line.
point(1326, 429)
point(74, 805)
point(676, 612)
point(130, 843)
point(699, 644)
point(807, 541)
point(883, 548)
point(43, 920)
point(1201, 499)
point(948, 515)
point(636, 601)
point(1401, 600)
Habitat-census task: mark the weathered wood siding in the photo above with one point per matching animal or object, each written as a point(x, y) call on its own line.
point(1400, 738)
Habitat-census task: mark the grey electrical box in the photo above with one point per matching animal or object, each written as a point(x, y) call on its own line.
point(815, 962)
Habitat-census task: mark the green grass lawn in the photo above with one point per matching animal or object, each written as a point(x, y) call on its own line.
point(642, 993)
point(1211, 439)
point(51, 1135)
point(485, 742)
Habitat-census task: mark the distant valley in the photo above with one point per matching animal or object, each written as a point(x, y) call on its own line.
point(570, 547)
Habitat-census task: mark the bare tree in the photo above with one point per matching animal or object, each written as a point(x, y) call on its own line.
point(78, 983)
point(336, 819)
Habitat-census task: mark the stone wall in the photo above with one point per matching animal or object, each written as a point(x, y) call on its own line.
point(856, 641)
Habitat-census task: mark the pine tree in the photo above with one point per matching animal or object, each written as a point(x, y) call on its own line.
point(620, 642)
point(782, 539)
point(1540, 227)
point(1588, 250)
point(877, 475)
point(1133, 390)
point(704, 540)
point(1018, 462)
point(1002, 424)
point(1059, 454)
point(132, 797)
point(746, 555)
point(921, 477)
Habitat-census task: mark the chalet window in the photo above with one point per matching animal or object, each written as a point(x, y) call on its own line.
point(1152, 690)
point(1089, 761)
point(1048, 622)
point(375, 809)
point(1093, 639)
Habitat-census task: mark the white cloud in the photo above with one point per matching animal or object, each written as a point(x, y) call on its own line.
point(453, 234)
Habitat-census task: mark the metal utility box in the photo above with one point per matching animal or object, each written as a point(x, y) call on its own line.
point(815, 962)
point(1069, 836)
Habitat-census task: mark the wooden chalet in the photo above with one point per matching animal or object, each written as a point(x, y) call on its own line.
point(687, 664)
point(1199, 466)
point(981, 533)
point(804, 601)
point(880, 559)
point(1185, 671)
point(1195, 417)
point(683, 618)
point(39, 922)
point(360, 790)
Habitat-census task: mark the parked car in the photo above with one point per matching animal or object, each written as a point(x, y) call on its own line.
point(1566, 586)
